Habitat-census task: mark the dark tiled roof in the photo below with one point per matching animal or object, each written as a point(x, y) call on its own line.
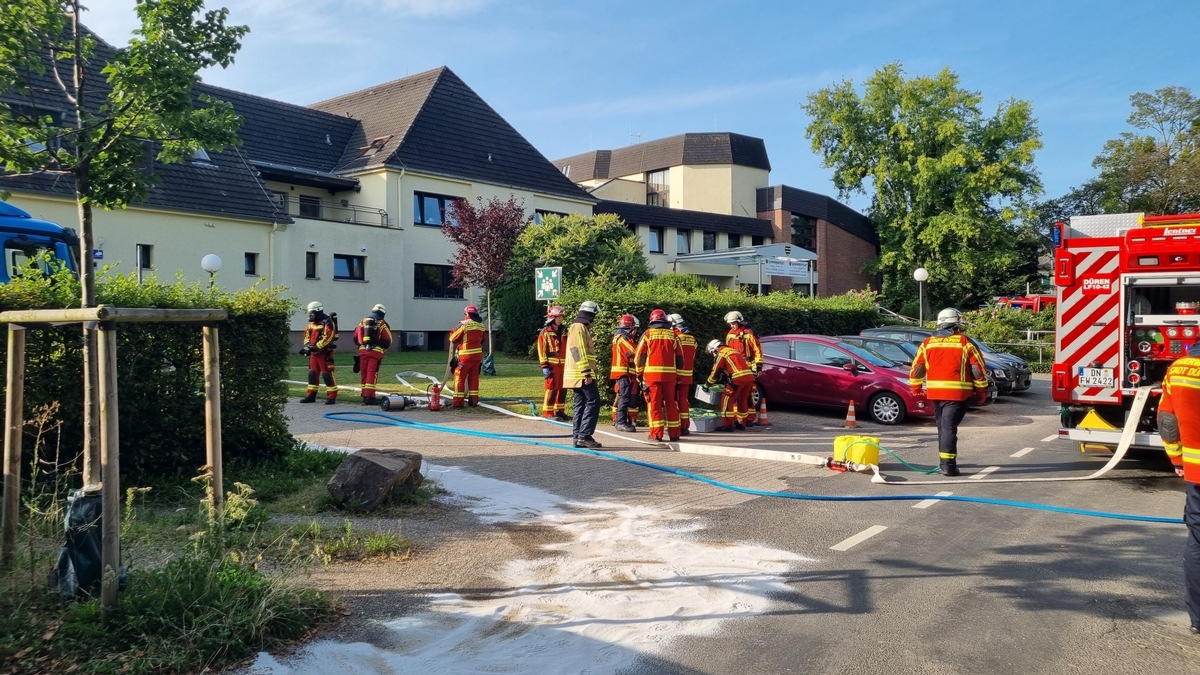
point(661, 216)
point(813, 205)
point(432, 122)
point(690, 149)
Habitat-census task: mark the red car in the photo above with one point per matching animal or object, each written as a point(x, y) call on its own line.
point(825, 371)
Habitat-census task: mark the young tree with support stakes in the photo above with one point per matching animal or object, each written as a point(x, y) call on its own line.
point(486, 236)
point(73, 106)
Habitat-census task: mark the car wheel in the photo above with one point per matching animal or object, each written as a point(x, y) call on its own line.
point(886, 408)
point(757, 394)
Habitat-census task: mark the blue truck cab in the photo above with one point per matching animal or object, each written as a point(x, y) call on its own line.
point(23, 237)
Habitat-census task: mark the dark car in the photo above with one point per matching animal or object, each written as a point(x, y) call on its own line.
point(825, 371)
point(1017, 375)
point(903, 352)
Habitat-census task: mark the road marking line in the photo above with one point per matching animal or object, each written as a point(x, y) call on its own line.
point(859, 538)
point(926, 503)
point(984, 472)
point(1050, 438)
point(1022, 452)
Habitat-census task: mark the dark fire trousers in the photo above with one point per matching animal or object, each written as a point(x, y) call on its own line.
point(587, 410)
point(948, 415)
point(1191, 553)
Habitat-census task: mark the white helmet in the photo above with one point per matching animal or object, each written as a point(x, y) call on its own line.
point(379, 308)
point(589, 306)
point(730, 317)
point(315, 306)
point(714, 346)
point(675, 319)
point(949, 318)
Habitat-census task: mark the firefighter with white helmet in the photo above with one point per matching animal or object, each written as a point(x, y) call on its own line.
point(320, 334)
point(550, 348)
point(744, 341)
point(952, 370)
point(684, 378)
point(373, 336)
point(466, 342)
point(623, 373)
point(731, 369)
point(658, 360)
point(579, 373)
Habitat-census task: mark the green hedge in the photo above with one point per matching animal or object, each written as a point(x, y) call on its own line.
point(160, 373)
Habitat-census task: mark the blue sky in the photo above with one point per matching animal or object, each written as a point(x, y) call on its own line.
point(573, 76)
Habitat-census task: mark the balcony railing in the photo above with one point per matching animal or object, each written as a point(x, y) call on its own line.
point(340, 211)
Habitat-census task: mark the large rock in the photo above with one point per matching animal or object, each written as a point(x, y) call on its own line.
point(369, 477)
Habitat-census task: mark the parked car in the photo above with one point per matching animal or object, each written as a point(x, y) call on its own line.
point(902, 352)
point(1018, 374)
point(824, 371)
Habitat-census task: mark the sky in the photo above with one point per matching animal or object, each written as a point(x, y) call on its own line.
point(578, 76)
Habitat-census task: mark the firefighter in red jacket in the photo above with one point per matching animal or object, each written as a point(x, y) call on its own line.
point(683, 380)
point(1179, 427)
point(550, 347)
point(319, 336)
point(659, 357)
point(623, 373)
point(745, 341)
point(373, 337)
point(730, 368)
point(952, 370)
point(466, 340)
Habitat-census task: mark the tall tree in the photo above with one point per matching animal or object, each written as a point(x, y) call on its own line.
point(950, 187)
point(72, 105)
point(486, 236)
point(1157, 168)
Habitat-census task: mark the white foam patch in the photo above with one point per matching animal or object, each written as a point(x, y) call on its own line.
point(627, 580)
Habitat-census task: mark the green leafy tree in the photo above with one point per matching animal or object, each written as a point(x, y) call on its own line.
point(599, 251)
point(950, 186)
point(1157, 168)
point(73, 106)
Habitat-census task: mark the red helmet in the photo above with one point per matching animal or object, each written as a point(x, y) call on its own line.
point(628, 321)
point(555, 311)
point(658, 315)
point(471, 309)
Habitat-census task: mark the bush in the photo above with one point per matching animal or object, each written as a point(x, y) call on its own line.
point(1007, 330)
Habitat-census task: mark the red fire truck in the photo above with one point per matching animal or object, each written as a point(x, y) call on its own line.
point(1128, 294)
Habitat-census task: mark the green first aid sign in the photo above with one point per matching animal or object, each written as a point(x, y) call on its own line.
point(547, 283)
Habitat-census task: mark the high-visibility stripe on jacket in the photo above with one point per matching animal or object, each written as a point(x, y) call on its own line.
point(732, 363)
point(319, 334)
point(549, 346)
point(580, 360)
point(1179, 416)
point(951, 367)
point(468, 338)
point(659, 355)
point(381, 341)
point(623, 350)
point(745, 342)
point(687, 342)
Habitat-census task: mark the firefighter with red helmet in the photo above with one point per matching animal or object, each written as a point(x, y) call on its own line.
point(730, 368)
point(1179, 427)
point(952, 370)
point(373, 337)
point(466, 341)
point(658, 359)
point(742, 338)
point(319, 336)
point(623, 372)
point(550, 346)
point(683, 379)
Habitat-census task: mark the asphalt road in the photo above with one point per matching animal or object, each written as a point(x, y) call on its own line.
point(949, 587)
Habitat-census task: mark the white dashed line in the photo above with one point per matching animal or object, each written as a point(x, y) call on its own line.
point(926, 503)
point(859, 538)
point(1050, 438)
point(1022, 452)
point(984, 472)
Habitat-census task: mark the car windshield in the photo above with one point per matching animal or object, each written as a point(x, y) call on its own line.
point(867, 355)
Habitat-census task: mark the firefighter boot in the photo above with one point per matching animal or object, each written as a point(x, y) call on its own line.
point(331, 400)
point(370, 400)
point(949, 468)
point(310, 398)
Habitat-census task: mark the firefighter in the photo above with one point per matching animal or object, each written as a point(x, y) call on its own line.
point(658, 359)
point(1179, 427)
point(730, 368)
point(744, 341)
point(683, 380)
point(466, 341)
point(550, 354)
point(579, 373)
point(319, 336)
point(623, 373)
point(373, 337)
point(952, 370)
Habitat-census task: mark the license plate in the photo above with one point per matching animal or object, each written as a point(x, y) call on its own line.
point(1097, 377)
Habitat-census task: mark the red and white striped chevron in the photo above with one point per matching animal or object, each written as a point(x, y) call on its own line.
point(1089, 320)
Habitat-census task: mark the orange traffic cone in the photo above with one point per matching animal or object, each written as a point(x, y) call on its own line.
point(762, 420)
point(851, 421)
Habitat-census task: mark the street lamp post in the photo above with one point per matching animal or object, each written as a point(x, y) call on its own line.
point(921, 274)
point(211, 264)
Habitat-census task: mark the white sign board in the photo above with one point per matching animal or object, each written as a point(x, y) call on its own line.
point(797, 268)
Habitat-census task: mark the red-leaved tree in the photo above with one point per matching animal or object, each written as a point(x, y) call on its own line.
point(486, 236)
